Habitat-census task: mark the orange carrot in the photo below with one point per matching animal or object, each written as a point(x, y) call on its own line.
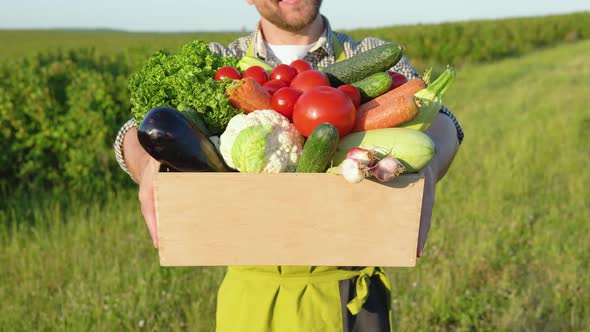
point(390, 109)
point(397, 110)
point(408, 88)
point(249, 96)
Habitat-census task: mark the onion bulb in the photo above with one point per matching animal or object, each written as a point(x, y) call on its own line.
point(353, 170)
point(387, 169)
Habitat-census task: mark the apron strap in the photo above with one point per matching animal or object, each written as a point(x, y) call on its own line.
point(339, 53)
point(362, 288)
point(250, 50)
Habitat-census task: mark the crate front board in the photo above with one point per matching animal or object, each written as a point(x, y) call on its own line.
point(208, 219)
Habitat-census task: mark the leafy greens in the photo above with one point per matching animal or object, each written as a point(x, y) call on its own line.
point(184, 79)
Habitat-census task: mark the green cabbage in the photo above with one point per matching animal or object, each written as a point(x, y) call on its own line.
point(248, 152)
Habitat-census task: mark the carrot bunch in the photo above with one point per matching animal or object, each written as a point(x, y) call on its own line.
point(390, 109)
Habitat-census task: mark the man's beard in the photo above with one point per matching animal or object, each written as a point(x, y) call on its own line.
point(290, 23)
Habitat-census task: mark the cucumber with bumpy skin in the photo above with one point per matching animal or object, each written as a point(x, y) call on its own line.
point(363, 65)
point(373, 86)
point(318, 149)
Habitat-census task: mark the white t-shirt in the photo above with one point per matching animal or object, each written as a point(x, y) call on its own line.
point(289, 53)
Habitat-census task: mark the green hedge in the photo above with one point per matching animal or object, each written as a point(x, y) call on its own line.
point(482, 41)
point(59, 113)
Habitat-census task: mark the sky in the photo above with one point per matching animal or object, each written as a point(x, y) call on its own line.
point(237, 15)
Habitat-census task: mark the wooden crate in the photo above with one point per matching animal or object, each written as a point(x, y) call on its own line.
point(207, 219)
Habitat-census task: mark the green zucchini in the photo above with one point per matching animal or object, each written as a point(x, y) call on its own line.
point(431, 100)
point(318, 149)
point(246, 62)
point(413, 148)
point(373, 86)
point(363, 65)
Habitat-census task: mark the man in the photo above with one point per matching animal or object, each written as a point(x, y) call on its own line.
point(300, 298)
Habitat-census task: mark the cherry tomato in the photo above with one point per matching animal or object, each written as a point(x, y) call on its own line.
point(257, 73)
point(283, 72)
point(300, 66)
point(309, 79)
point(353, 93)
point(229, 72)
point(273, 85)
point(397, 79)
point(284, 100)
point(324, 104)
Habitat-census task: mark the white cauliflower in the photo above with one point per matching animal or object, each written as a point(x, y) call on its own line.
point(262, 141)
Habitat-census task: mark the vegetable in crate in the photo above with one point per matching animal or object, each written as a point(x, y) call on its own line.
point(363, 65)
point(431, 101)
point(318, 149)
point(248, 95)
point(170, 138)
point(373, 86)
point(413, 148)
point(188, 78)
point(411, 105)
point(263, 141)
point(379, 113)
point(246, 62)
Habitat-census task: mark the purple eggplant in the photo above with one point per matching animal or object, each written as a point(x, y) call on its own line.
point(170, 138)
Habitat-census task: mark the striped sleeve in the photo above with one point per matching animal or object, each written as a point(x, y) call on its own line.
point(118, 145)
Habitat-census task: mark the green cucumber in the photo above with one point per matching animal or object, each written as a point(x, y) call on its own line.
point(413, 148)
point(373, 86)
point(246, 62)
point(318, 149)
point(363, 65)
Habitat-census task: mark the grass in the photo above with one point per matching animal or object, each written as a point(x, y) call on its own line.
point(508, 250)
point(28, 42)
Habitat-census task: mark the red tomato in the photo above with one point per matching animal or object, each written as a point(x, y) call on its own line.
point(284, 100)
point(273, 85)
point(310, 79)
point(258, 73)
point(301, 66)
point(353, 93)
point(397, 79)
point(283, 72)
point(229, 72)
point(324, 104)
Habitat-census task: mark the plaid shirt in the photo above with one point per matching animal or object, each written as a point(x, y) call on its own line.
point(321, 54)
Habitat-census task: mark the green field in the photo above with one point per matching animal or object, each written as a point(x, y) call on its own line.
point(509, 249)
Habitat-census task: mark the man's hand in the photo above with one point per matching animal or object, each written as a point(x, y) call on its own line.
point(142, 168)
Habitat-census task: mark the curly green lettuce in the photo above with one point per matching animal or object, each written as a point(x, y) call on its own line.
point(185, 78)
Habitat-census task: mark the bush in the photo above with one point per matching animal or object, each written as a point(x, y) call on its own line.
point(482, 41)
point(60, 112)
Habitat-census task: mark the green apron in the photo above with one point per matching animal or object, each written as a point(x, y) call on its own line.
point(292, 298)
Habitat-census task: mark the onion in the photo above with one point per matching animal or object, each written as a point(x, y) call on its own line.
point(387, 169)
point(364, 156)
point(353, 170)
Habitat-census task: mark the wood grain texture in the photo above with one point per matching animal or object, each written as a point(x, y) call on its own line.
point(207, 219)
